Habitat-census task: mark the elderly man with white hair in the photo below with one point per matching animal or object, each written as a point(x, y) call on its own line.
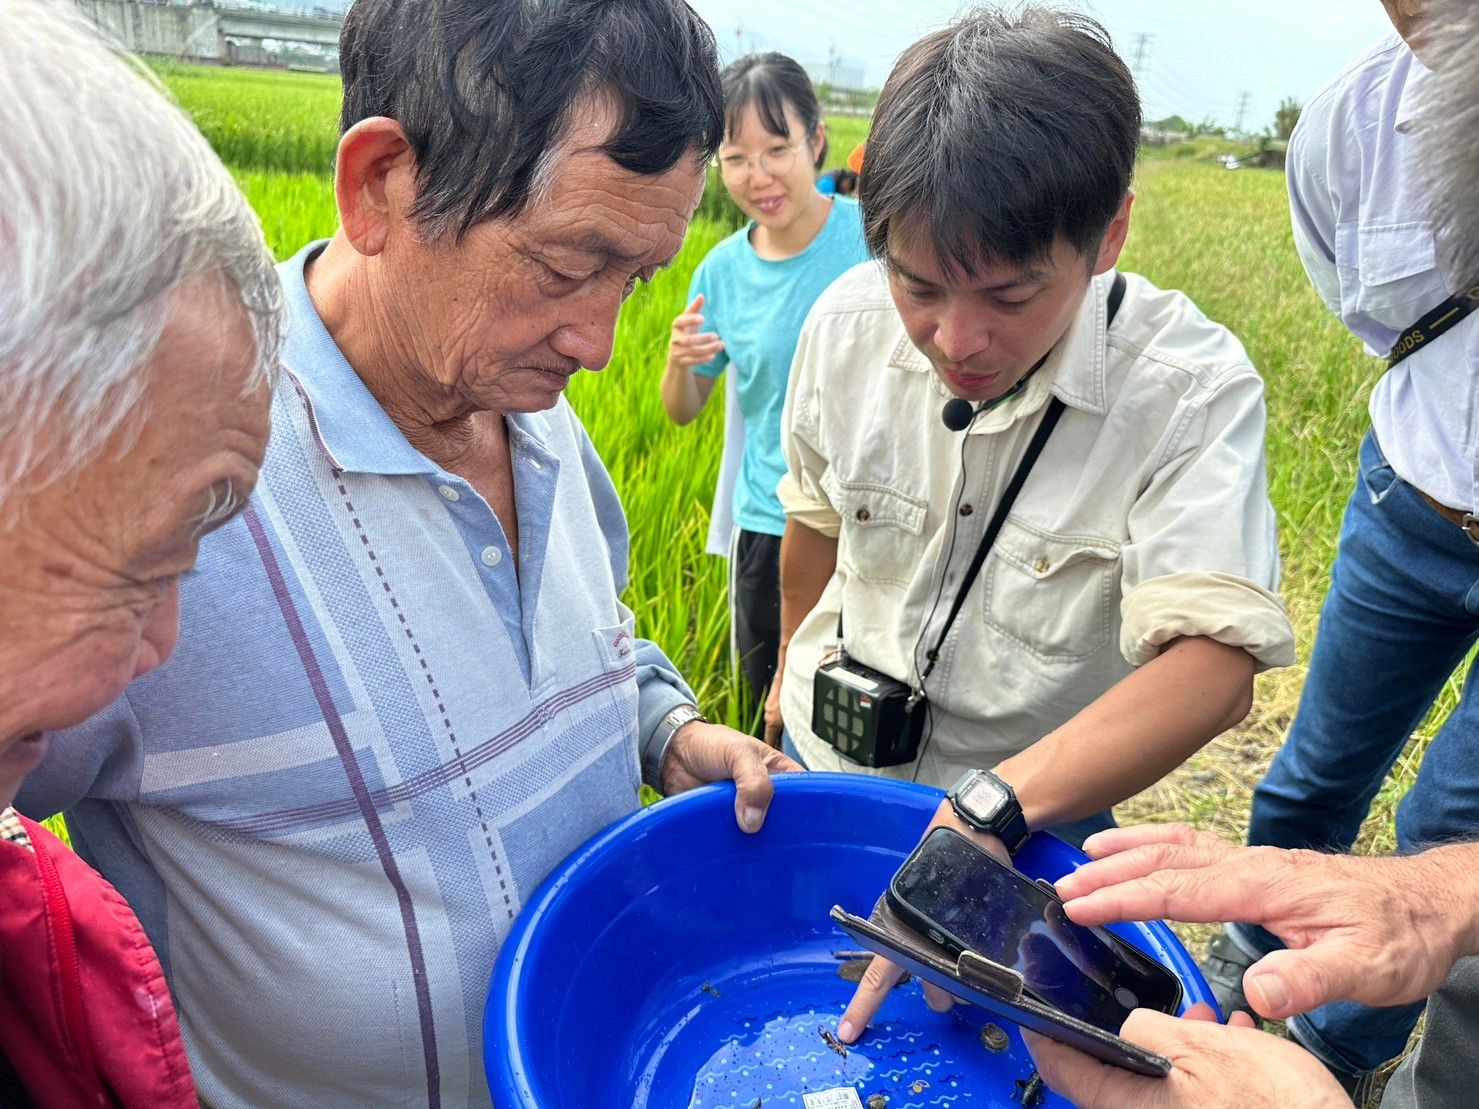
point(139, 330)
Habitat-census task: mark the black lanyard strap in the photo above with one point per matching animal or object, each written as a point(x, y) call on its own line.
point(1024, 467)
point(1434, 323)
point(1009, 496)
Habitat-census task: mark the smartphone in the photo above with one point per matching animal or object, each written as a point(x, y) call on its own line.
point(962, 897)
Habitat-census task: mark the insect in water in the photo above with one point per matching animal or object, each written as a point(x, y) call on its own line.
point(994, 1038)
point(712, 991)
point(834, 1043)
point(1029, 1090)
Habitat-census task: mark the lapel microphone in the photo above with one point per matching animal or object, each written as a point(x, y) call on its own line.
point(958, 413)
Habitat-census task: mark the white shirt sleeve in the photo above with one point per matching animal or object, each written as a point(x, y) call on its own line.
point(1312, 203)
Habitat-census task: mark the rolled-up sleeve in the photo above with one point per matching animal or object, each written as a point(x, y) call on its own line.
point(800, 490)
point(1202, 557)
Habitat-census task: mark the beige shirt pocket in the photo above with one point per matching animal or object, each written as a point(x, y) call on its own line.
point(1055, 596)
point(882, 531)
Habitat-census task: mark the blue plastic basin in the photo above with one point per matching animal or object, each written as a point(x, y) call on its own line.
point(675, 961)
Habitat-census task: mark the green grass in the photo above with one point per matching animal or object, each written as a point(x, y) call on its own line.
point(666, 476)
point(844, 133)
point(261, 119)
point(295, 208)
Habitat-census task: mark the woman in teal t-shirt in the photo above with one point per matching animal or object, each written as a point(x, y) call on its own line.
point(748, 299)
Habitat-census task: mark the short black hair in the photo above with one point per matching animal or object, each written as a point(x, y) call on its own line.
point(771, 81)
point(484, 88)
point(998, 135)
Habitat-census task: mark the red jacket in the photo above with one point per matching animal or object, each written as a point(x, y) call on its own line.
point(87, 1020)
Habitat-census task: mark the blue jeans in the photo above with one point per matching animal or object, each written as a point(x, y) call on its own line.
point(1074, 832)
point(1401, 614)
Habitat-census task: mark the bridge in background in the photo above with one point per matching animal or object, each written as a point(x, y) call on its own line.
point(206, 32)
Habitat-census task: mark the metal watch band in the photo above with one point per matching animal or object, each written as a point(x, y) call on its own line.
point(661, 739)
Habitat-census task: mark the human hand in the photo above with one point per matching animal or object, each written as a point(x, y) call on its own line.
point(1213, 1066)
point(1357, 929)
point(702, 753)
point(774, 725)
point(687, 346)
point(882, 975)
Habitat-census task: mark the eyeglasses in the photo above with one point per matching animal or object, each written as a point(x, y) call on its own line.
point(778, 161)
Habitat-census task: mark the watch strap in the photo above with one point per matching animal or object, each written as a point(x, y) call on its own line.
point(1013, 833)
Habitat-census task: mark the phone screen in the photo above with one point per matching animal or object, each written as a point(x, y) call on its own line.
point(963, 897)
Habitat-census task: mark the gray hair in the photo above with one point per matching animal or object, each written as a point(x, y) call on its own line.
point(112, 199)
point(1450, 45)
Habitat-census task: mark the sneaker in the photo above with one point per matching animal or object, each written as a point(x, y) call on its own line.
point(1223, 968)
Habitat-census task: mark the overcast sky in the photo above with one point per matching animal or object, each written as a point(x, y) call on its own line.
point(1200, 57)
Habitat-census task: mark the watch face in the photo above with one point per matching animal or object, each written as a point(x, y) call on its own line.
point(983, 796)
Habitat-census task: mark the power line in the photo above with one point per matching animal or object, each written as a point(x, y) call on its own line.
point(1242, 110)
point(1142, 49)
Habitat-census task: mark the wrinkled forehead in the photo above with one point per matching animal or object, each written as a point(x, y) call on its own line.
point(578, 162)
point(590, 197)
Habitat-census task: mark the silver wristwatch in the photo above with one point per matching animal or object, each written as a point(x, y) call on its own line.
point(661, 739)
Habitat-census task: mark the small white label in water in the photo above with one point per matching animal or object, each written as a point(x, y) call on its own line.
point(843, 1097)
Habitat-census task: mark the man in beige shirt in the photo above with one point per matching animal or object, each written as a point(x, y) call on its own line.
point(1130, 594)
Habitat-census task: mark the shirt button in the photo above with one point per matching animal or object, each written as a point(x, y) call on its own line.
point(863, 514)
point(492, 556)
point(1041, 566)
point(449, 493)
point(966, 510)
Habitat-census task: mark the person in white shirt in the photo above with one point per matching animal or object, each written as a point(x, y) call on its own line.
point(1129, 597)
point(1403, 607)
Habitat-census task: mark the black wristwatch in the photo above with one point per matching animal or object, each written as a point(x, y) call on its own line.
point(987, 804)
